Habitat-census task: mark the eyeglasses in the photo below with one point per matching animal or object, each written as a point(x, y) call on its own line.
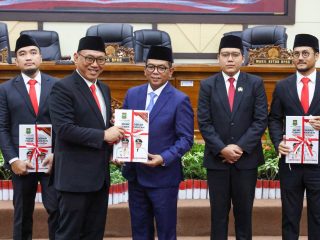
point(304, 54)
point(90, 59)
point(160, 68)
point(228, 54)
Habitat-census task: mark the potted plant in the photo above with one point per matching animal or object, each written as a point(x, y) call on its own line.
point(268, 173)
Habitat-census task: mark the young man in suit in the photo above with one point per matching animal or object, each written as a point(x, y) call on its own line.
point(298, 95)
point(153, 186)
point(20, 106)
point(80, 107)
point(232, 117)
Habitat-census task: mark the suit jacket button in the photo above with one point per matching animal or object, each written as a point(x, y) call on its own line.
point(232, 124)
point(232, 138)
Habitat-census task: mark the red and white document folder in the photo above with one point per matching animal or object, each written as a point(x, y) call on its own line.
point(35, 144)
point(303, 140)
point(134, 146)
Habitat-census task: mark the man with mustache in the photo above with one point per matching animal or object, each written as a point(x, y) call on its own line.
point(19, 107)
point(298, 95)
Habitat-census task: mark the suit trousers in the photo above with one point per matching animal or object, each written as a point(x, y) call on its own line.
point(236, 186)
point(25, 189)
point(82, 214)
point(147, 204)
point(295, 180)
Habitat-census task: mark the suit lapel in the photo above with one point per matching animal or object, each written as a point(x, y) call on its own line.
point(240, 89)
point(21, 87)
point(161, 101)
point(293, 93)
point(222, 93)
point(316, 95)
point(142, 98)
point(85, 91)
point(44, 91)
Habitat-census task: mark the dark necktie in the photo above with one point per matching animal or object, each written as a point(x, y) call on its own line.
point(33, 95)
point(231, 92)
point(93, 91)
point(305, 94)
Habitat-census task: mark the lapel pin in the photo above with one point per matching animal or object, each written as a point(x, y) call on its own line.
point(240, 89)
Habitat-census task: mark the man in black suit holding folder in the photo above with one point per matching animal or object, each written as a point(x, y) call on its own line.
point(298, 95)
point(80, 107)
point(24, 100)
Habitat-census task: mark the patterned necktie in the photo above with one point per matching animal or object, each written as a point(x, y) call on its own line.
point(33, 95)
point(231, 92)
point(93, 91)
point(305, 94)
point(151, 103)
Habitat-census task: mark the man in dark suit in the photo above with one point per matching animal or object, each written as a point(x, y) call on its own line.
point(153, 186)
point(80, 107)
point(232, 117)
point(16, 108)
point(298, 95)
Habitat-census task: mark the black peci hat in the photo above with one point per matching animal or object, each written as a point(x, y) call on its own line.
point(126, 140)
point(138, 140)
point(231, 41)
point(160, 53)
point(306, 40)
point(25, 41)
point(91, 43)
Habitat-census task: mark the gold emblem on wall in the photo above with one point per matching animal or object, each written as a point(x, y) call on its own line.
point(4, 55)
point(270, 55)
point(118, 54)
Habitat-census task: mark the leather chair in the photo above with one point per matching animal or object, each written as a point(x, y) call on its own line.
point(118, 33)
point(145, 38)
point(261, 36)
point(4, 40)
point(48, 42)
point(235, 33)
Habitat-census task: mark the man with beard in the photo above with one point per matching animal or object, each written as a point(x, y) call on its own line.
point(19, 99)
point(298, 95)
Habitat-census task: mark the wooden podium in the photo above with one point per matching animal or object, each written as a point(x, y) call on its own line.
point(121, 76)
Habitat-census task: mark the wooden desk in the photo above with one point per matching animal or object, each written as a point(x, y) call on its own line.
point(120, 77)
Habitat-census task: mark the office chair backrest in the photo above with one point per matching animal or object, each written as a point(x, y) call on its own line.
point(261, 36)
point(145, 38)
point(48, 42)
point(118, 33)
point(4, 40)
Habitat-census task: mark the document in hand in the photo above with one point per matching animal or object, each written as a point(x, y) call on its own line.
point(35, 143)
point(134, 146)
point(303, 140)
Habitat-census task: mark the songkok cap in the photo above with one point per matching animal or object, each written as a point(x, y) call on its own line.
point(126, 140)
point(306, 40)
point(160, 53)
point(91, 43)
point(231, 41)
point(138, 140)
point(25, 41)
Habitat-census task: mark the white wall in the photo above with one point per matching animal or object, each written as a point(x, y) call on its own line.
point(186, 38)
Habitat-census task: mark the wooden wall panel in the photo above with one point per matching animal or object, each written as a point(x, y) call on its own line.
point(120, 77)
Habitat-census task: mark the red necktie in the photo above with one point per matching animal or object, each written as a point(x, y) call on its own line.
point(93, 91)
point(231, 92)
point(33, 95)
point(305, 94)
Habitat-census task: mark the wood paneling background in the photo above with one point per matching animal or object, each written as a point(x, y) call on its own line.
point(120, 77)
